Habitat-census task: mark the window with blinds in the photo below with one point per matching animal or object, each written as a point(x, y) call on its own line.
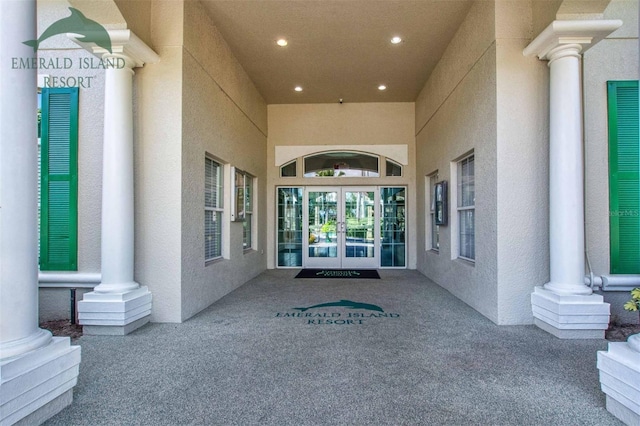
point(213, 210)
point(59, 180)
point(466, 208)
point(624, 177)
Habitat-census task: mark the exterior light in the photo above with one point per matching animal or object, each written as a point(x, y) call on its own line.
point(282, 42)
point(382, 87)
point(396, 40)
point(298, 89)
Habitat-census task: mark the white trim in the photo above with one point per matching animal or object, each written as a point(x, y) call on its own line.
point(123, 43)
point(286, 153)
point(584, 33)
point(69, 279)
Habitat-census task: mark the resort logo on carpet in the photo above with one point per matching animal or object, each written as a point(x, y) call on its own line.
point(335, 317)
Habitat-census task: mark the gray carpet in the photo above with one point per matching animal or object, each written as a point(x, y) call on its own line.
point(244, 361)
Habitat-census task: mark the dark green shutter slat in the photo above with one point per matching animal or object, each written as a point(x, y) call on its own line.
point(59, 180)
point(624, 177)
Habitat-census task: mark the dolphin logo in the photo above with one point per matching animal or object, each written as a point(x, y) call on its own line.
point(345, 304)
point(88, 30)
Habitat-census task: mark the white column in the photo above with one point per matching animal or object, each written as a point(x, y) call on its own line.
point(19, 332)
point(118, 305)
point(37, 372)
point(566, 176)
point(565, 306)
point(117, 178)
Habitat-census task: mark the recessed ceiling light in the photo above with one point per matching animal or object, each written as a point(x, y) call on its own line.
point(396, 40)
point(298, 89)
point(282, 42)
point(382, 87)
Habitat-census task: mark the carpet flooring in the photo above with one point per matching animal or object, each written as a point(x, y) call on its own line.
point(424, 358)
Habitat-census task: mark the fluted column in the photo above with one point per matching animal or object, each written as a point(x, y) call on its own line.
point(118, 305)
point(565, 306)
point(37, 371)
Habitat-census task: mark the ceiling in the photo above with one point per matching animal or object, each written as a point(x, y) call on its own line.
point(338, 49)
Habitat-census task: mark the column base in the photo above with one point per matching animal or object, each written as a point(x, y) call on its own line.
point(620, 381)
point(38, 384)
point(570, 316)
point(114, 314)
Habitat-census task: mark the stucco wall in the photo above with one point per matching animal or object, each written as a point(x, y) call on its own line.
point(615, 58)
point(522, 164)
point(456, 113)
point(224, 116)
point(158, 167)
point(354, 126)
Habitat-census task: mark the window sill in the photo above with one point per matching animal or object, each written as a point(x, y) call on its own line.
point(434, 251)
point(249, 250)
point(212, 261)
point(465, 261)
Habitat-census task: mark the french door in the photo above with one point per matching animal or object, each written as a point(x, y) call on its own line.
point(343, 227)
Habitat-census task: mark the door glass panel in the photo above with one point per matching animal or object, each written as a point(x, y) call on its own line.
point(392, 248)
point(359, 222)
point(289, 227)
point(323, 218)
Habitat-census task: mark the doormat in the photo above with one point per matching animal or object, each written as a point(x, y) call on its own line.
point(338, 273)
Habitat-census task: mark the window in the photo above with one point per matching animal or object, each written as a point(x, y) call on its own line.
point(392, 224)
point(244, 205)
point(289, 169)
point(290, 227)
point(466, 208)
point(59, 179)
point(393, 168)
point(433, 228)
point(624, 177)
point(341, 164)
point(213, 210)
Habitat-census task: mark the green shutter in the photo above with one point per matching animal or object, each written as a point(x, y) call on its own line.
point(624, 177)
point(59, 180)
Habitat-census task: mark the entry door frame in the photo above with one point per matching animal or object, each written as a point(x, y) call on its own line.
point(341, 260)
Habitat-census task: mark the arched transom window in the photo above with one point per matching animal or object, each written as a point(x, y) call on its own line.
point(344, 164)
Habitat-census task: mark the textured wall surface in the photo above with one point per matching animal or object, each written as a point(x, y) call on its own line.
point(456, 113)
point(223, 116)
point(355, 126)
point(158, 167)
point(522, 162)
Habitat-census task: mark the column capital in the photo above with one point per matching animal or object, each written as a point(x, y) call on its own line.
point(571, 33)
point(124, 45)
